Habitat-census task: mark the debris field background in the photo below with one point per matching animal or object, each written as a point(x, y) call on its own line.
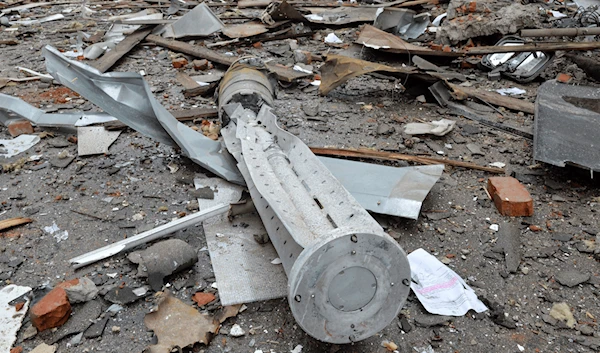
point(140, 184)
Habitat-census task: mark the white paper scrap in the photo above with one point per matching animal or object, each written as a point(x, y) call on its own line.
point(439, 289)
point(333, 39)
point(512, 91)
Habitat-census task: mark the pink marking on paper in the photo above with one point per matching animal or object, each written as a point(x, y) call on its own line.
point(444, 285)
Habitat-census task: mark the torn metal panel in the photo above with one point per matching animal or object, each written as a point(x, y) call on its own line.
point(199, 22)
point(177, 324)
point(567, 125)
point(244, 30)
point(127, 97)
point(148, 236)
point(242, 266)
point(338, 69)
point(10, 318)
point(13, 108)
point(95, 140)
point(402, 22)
point(341, 15)
point(374, 38)
point(387, 190)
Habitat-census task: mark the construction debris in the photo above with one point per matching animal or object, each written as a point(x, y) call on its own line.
point(193, 119)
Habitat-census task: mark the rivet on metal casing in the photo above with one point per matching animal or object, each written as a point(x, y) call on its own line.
point(353, 238)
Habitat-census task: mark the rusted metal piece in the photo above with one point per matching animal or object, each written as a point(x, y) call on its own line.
point(338, 69)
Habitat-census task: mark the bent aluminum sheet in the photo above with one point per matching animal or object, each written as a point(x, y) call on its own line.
point(127, 97)
point(387, 190)
point(199, 22)
point(242, 266)
point(13, 108)
point(567, 125)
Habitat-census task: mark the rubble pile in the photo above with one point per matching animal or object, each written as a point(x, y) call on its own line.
point(350, 176)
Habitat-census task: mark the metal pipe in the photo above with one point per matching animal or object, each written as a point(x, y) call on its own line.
point(560, 32)
point(148, 236)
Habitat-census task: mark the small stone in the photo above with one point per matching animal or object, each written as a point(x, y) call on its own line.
point(76, 340)
point(525, 270)
point(44, 348)
point(562, 236)
point(192, 206)
point(510, 197)
point(236, 331)
point(421, 99)
point(19, 127)
point(121, 296)
point(586, 330)
point(201, 65)
point(571, 278)
point(431, 320)
point(311, 108)
point(83, 291)
point(475, 149)
point(115, 329)
point(385, 129)
point(29, 332)
point(96, 329)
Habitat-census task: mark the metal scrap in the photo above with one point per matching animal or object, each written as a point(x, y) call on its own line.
point(127, 97)
point(315, 224)
point(406, 24)
point(148, 236)
point(178, 325)
point(200, 21)
point(341, 15)
point(566, 125)
point(13, 108)
point(338, 69)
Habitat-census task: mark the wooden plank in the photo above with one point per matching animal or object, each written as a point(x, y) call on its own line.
point(389, 156)
point(191, 88)
point(109, 59)
point(496, 99)
point(283, 73)
point(194, 50)
point(13, 222)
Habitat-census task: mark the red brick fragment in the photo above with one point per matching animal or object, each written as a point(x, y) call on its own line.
point(19, 127)
point(17, 349)
point(51, 311)
point(179, 62)
point(535, 228)
point(203, 298)
point(563, 78)
point(19, 306)
point(510, 197)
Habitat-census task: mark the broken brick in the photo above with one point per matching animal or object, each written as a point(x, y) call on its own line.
point(179, 62)
point(19, 306)
point(203, 298)
point(18, 349)
point(510, 197)
point(563, 78)
point(19, 127)
point(51, 311)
